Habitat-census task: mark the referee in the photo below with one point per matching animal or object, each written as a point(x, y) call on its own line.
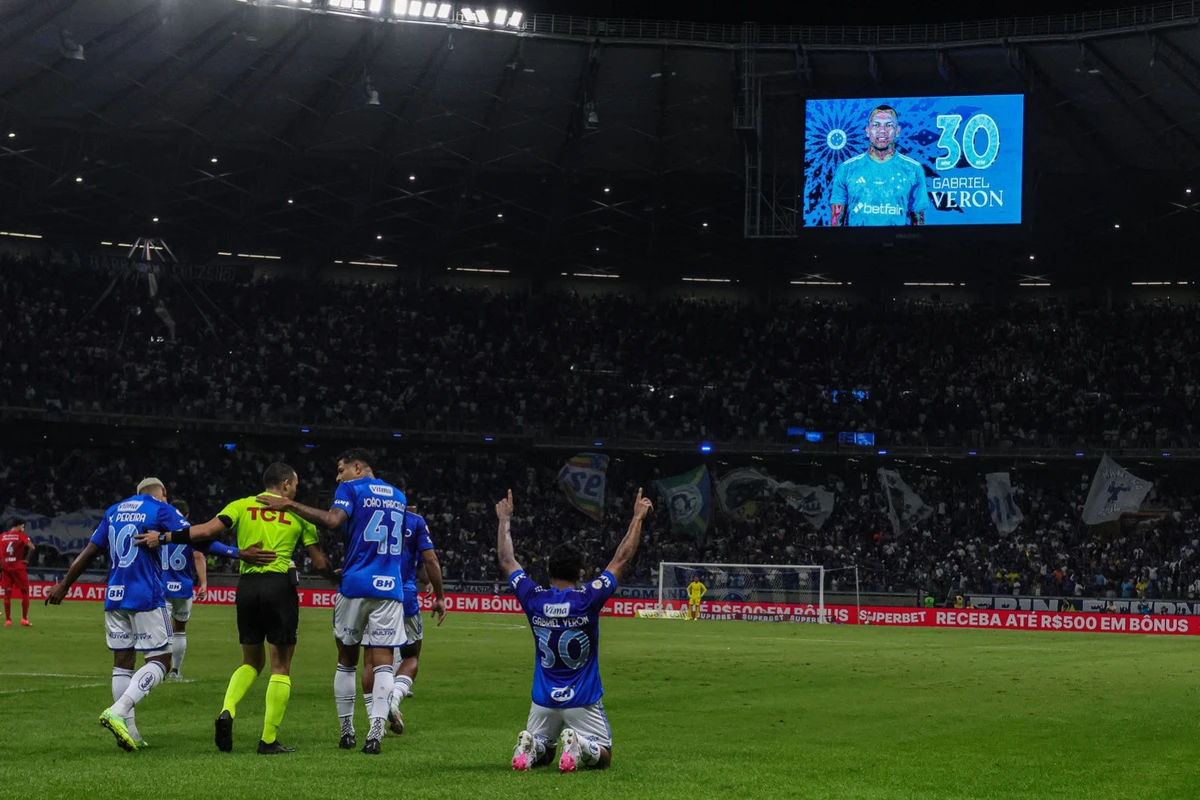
point(268, 605)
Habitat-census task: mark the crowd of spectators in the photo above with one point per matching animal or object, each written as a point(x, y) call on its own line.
point(443, 359)
point(956, 550)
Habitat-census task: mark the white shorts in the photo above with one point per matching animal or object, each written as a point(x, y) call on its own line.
point(413, 628)
point(590, 721)
point(148, 632)
point(369, 621)
point(181, 608)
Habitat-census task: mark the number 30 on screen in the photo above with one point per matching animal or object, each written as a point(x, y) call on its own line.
point(948, 125)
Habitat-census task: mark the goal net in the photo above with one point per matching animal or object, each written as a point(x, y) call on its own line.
point(767, 592)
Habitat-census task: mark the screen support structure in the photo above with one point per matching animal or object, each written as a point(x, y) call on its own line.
point(770, 203)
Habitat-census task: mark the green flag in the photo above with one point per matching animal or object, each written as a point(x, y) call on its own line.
point(688, 498)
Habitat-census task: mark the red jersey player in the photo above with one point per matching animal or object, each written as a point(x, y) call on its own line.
point(15, 553)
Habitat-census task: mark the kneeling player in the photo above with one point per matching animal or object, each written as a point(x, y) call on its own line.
point(566, 628)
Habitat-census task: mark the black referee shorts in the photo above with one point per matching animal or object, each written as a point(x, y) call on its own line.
point(268, 607)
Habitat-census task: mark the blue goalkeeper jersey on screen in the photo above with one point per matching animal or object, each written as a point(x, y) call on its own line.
point(566, 628)
point(176, 560)
point(879, 193)
point(416, 542)
point(374, 535)
point(135, 574)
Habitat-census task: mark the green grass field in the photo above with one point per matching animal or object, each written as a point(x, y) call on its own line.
point(698, 710)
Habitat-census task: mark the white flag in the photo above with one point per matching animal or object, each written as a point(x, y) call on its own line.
point(1001, 504)
point(814, 502)
point(905, 508)
point(1114, 491)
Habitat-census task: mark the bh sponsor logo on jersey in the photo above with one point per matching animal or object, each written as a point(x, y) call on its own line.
point(174, 586)
point(556, 610)
point(561, 694)
point(116, 593)
point(130, 505)
point(382, 491)
point(384, 583)
point(887, 209)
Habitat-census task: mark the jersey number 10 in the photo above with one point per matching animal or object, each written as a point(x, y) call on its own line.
point(377, 531)
point(948, 125)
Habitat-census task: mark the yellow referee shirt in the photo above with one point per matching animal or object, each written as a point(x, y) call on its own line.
point(277, 530)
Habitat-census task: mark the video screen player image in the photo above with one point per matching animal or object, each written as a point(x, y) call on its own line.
point(882, 162)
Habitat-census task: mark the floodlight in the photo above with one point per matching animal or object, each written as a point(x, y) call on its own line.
point(501, 17)
point(514, 21)
point(414, 8)
point(468, 15)
point(430, 10)
point(483, 16)
point(443, 11)
point(376, 6)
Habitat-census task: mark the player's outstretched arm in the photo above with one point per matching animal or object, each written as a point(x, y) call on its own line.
point(59, 592)
point(332, 519)
point(196, 535)
point(201, 574)
point(433, 574)
point(633, 537)
point(504, 545)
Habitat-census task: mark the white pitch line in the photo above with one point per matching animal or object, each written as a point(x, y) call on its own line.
point(53, 688)
point(42, 675)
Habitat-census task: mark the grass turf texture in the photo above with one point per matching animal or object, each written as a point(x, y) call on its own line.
point(700, 709)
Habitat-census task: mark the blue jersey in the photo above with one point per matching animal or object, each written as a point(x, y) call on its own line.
point(135, 575)
point(374, 535)
point(879, 193)
point(566, 627)
point(176, 560)
point(416, 542)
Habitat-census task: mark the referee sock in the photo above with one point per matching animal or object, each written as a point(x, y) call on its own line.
point(239, 683)
point(143, 681)
point(120, 682)
point(178, 652)
point(278, 692)
point(345, 690)
point(378, 709)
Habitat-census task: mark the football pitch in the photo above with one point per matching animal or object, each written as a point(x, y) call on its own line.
point(698, 709)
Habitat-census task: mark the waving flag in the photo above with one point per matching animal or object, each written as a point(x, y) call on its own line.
point(814, 502)
point(688, 498)
point(1114, 491)
point(740, 490)
point(584, 479)
point(905, 507)
point(1001, 504)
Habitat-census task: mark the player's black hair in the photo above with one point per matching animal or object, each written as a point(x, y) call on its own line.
point(182, 507)
point(355, 454)
point(14, 522)
point(884, 107)
point(566, 563)
point(396, 479)
point(276, 474)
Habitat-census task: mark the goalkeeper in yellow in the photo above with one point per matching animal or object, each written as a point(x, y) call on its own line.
point(695, 593)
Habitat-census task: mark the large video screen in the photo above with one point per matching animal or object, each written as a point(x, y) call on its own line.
point(891, 161)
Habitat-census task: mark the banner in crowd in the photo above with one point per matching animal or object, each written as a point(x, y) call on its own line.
point(765, 612)
point(814, 502)
point(1114, 492)
point(65, 533)
point(688, 498)
point(584, 478)
point(1003, 508)
point(905, 508)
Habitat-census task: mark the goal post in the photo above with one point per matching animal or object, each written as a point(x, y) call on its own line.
point(780, 592)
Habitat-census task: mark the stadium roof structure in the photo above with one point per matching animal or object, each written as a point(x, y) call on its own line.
point(350, 130)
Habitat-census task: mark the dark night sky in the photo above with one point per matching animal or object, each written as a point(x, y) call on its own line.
point(814, 12)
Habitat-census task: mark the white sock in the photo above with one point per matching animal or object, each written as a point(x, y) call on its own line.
point(400, 690)
point(345, 690)
point(540, 743)
point(143, 681)
point(590, 749)
point(120, 682)
point(178, 652)
point(377, 709)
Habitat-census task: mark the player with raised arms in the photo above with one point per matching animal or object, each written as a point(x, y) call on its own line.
point(135, 612)
point(565, 622)
point(369, 609)
point(881, 186)
point(418, 552)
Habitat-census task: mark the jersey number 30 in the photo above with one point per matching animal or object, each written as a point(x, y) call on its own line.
point(377, 531)
point(548, 653)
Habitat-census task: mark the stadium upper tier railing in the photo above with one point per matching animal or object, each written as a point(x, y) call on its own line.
point(533, 436)
point(1056, 26)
